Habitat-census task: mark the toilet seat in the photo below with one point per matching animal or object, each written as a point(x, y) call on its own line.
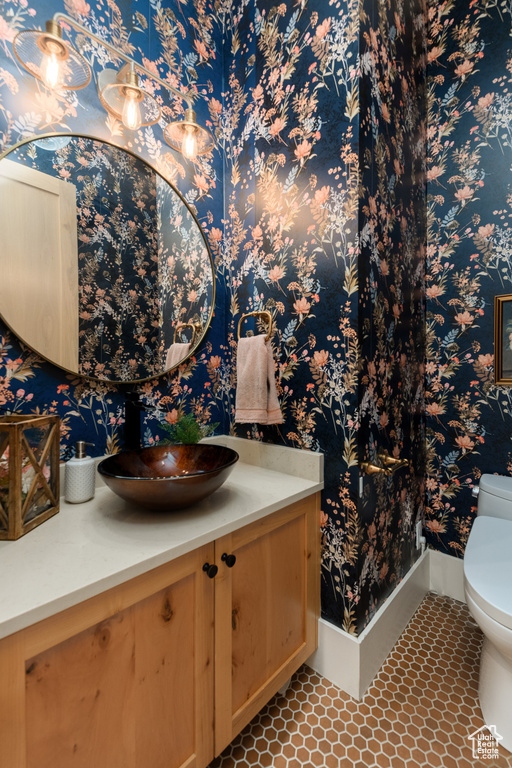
point(488, 567)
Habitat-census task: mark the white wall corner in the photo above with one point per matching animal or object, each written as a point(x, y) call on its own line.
point(379, 637)
point(337, 658)
point(351, 662)
point(447, 575)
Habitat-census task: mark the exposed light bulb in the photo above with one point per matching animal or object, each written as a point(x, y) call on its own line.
point(131, 116)
point(51, 70)
point(189, 146)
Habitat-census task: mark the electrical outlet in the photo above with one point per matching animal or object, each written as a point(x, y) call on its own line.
point(419, 530)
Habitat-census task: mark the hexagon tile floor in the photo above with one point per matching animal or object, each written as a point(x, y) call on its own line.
point(419, 711)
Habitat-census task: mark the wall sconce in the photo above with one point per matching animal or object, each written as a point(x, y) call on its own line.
point(51, 59)
point(123, 98)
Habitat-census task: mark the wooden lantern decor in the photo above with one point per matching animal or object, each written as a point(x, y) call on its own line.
point(29, 472)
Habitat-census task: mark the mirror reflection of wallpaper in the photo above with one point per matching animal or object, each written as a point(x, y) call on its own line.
point(143, 263)
point(185, 285)
point(118, 269)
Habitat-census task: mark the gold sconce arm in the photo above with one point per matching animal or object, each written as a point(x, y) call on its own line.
point(119, 54)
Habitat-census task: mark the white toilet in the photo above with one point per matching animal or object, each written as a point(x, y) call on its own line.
point(488, 589)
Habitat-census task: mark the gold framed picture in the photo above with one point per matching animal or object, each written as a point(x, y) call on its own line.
point(503, 340)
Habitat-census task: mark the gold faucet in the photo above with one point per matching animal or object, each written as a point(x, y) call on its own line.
point(372, 469)
point(390, 463)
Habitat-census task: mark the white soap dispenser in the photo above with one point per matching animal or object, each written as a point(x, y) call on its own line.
point(79, 476)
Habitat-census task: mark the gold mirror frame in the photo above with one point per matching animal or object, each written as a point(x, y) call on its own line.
point(502, 319)
point(195, 342)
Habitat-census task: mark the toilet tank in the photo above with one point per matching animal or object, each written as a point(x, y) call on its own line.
point(495, 496)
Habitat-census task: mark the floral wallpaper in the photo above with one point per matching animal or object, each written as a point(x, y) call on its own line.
point(303, 135)
point(313, 205)
point(307, 184)
point(392, 288)
point(165, 41)
point(186, 279)
point(468, 258)
point(289, 134)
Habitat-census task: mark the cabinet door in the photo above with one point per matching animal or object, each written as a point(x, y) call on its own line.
point(266, 612)
point(124, 680)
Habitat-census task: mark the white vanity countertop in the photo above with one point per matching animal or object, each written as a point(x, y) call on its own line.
point(88, 548)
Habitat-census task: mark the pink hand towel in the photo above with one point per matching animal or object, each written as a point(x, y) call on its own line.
point(256, 394)
point(175, 354)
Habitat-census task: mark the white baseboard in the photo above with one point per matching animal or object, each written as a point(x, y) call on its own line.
point(447, 575)
point(351, 662)
point(337, 658)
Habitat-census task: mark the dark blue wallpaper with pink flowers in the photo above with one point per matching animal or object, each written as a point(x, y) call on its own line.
point(93, 410)
point(392, 229)
point(286, 217)
point(313, 203)
point(468, 258)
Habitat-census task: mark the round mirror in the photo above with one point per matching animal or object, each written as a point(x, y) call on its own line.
point(105, 270)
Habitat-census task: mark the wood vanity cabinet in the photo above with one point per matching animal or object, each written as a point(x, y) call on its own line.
point(266, 612)
point(165, 669)
point(122, 680)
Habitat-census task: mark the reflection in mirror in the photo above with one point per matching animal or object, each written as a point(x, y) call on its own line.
point(105, 270)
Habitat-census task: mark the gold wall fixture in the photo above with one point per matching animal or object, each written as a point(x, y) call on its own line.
point(372, 469)
point(391, 464)
point(388, 465)
point(196, 329)
point(51, 59)
point(123, 98)
point(264, 314)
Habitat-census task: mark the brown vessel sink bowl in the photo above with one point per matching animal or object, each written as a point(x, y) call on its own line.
point(168, 477)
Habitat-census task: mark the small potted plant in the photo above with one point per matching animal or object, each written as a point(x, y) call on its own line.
point(187, 430)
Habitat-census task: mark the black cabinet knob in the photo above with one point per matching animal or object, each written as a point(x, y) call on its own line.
point(210, 569)
point(230, 560)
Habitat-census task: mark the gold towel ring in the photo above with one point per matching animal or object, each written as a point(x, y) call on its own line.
point(264, 314)
point(196, 327)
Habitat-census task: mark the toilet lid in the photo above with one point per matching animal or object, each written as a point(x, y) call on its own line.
point(497, 485)
point(488, 567)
